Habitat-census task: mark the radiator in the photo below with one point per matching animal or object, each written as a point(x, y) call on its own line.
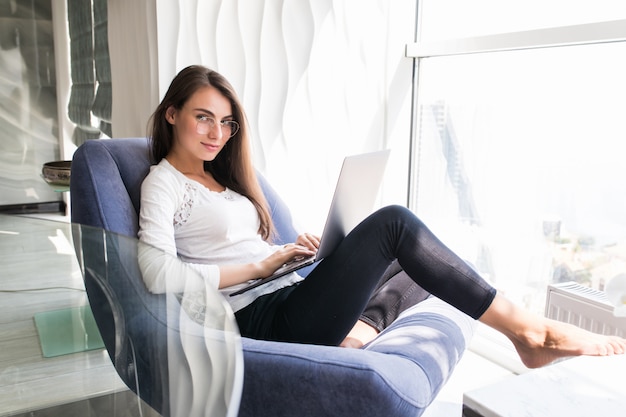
point(584, 307)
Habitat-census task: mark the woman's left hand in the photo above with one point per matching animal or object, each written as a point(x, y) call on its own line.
point(309, 241)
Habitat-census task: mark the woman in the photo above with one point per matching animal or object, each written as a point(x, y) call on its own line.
point(202, 203)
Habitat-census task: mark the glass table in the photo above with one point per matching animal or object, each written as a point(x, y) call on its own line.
point(79, 328)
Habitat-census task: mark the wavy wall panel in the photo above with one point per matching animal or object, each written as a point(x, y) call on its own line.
point(319, 78)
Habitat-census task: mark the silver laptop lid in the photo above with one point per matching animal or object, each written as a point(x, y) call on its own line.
point(355, 194)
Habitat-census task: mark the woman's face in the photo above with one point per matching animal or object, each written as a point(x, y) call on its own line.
point(198, 133)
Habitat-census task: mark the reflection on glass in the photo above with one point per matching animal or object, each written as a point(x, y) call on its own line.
point(181, 361)
point(521, 164)
point(28, 98)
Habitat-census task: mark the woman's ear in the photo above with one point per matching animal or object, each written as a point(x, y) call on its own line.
point(169, 115)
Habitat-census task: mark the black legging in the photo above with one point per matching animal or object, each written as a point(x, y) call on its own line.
point(323, 308)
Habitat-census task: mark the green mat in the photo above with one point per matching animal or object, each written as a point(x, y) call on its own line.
point(67, 331)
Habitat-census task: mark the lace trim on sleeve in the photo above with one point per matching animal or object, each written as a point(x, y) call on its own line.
point(184, 211)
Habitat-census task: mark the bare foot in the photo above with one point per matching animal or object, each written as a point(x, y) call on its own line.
point(559, 340)
point(360, 334)
point(540, 341)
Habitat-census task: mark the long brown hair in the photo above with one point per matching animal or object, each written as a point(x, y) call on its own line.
point(233, 165)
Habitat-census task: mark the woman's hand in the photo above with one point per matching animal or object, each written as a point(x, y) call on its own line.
point(309, 241)
point(306, 245)
point(287, 253)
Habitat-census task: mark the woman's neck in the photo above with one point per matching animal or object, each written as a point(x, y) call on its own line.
point(197, 174)
point(186, 166)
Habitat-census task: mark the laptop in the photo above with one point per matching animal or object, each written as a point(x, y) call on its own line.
point(353, 200)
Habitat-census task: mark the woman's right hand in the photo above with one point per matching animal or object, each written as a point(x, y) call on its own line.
point(285, 254)
point(236, 274)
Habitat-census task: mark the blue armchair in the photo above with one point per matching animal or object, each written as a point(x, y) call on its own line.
point(398, 374)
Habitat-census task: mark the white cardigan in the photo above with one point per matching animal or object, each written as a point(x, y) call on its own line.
point(204, 229)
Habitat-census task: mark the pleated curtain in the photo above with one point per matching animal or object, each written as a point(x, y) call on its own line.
point(89, 107)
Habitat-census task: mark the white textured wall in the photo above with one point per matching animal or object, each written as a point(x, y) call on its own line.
point(133, 50)
point(319, 78)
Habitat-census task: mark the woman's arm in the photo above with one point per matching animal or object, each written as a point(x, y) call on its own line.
point(161, 196)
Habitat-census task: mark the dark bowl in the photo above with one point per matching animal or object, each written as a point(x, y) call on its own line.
point(57, 172)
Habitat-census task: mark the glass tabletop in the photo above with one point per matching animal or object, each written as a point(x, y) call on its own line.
point(78, 323)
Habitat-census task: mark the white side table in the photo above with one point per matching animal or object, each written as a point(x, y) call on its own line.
point(577, 387)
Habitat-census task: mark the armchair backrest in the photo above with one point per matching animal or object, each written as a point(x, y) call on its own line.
point(106, 183)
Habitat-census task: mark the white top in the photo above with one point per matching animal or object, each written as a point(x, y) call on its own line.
point(204, 229)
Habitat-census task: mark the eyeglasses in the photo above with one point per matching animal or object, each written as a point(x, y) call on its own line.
point(207, 123)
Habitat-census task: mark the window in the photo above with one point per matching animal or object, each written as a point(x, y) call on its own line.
point(518, 159)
